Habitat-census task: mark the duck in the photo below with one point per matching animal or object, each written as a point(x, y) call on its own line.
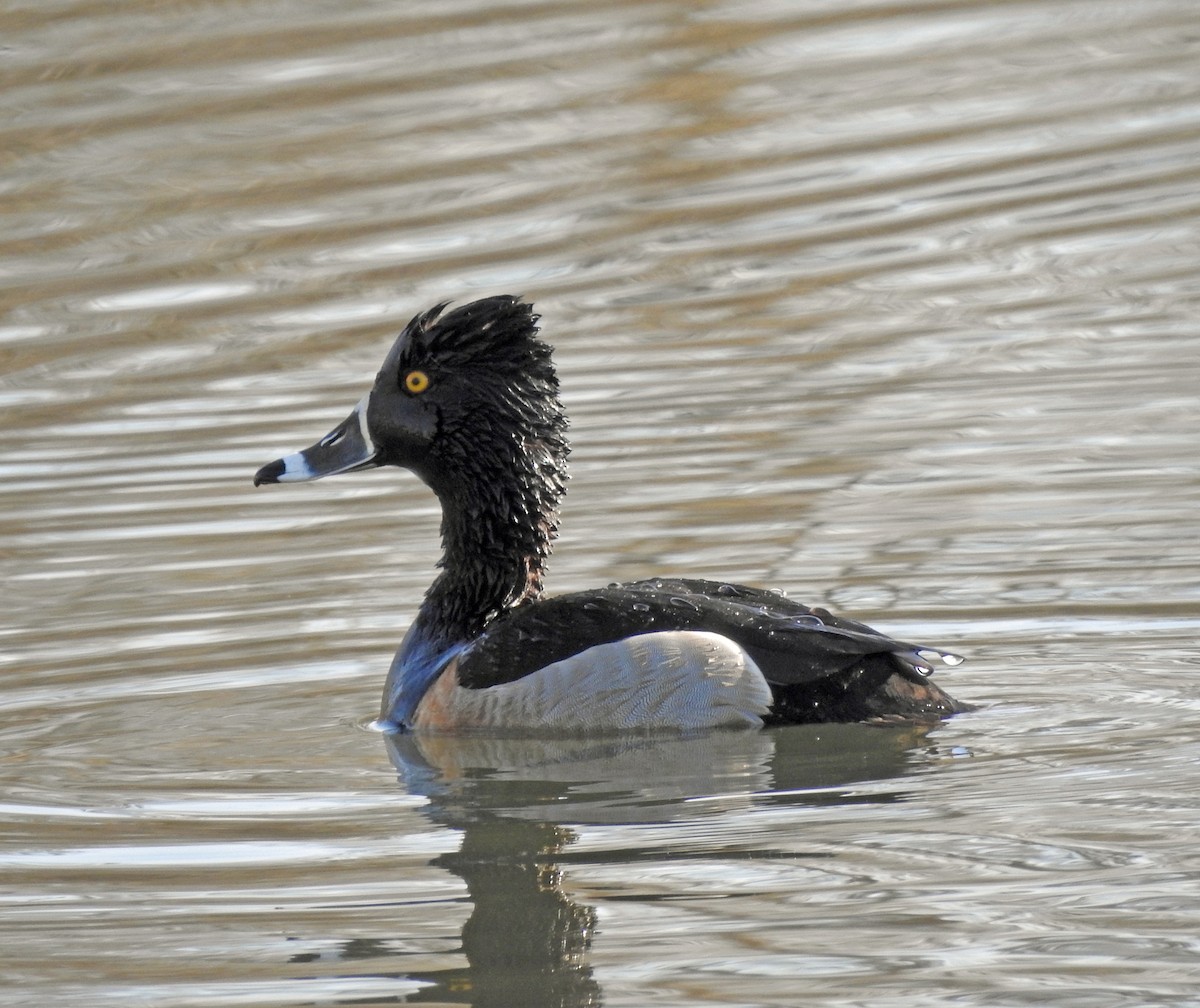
point(467, 399)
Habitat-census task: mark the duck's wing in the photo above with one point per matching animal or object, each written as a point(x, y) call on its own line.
point(795, 643)
point(790, 643)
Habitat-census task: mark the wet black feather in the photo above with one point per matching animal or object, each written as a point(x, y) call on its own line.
point(820, 667)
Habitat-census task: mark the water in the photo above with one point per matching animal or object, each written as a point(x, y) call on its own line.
point(890, 307)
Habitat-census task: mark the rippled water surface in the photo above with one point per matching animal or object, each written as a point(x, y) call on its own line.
point(892, 306)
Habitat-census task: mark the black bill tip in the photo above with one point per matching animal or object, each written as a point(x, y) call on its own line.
point(270, 473)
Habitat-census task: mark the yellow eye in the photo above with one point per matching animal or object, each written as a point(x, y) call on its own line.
point(416, 382)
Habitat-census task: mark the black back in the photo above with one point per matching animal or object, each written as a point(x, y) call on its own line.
point(791, 643)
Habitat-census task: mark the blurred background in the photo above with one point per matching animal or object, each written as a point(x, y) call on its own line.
point(889, 305)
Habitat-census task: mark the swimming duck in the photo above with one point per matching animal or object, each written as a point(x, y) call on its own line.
point(468, 400)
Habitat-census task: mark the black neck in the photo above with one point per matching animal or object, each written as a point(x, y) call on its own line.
point(498, 523)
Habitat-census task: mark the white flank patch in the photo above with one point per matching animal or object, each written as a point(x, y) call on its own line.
point(681, 679)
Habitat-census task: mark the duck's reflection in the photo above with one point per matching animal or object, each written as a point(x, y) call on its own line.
point(525, 941)
point(515, 800)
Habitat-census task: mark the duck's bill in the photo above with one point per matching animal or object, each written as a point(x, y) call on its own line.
point(346, 448)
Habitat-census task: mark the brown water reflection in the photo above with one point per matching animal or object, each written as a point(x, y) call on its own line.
point(891, 306)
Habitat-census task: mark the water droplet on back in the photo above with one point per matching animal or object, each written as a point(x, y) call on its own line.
point(931, 655)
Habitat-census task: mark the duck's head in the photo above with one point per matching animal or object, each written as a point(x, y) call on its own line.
point(464, 399)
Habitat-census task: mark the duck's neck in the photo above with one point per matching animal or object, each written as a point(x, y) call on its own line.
point(499, 521)
point(480, 579)
point(497, 535)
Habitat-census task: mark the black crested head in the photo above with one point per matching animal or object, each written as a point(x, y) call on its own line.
point(464, 388)
point(468, 400)
point(499, 333)
point(494, 338)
